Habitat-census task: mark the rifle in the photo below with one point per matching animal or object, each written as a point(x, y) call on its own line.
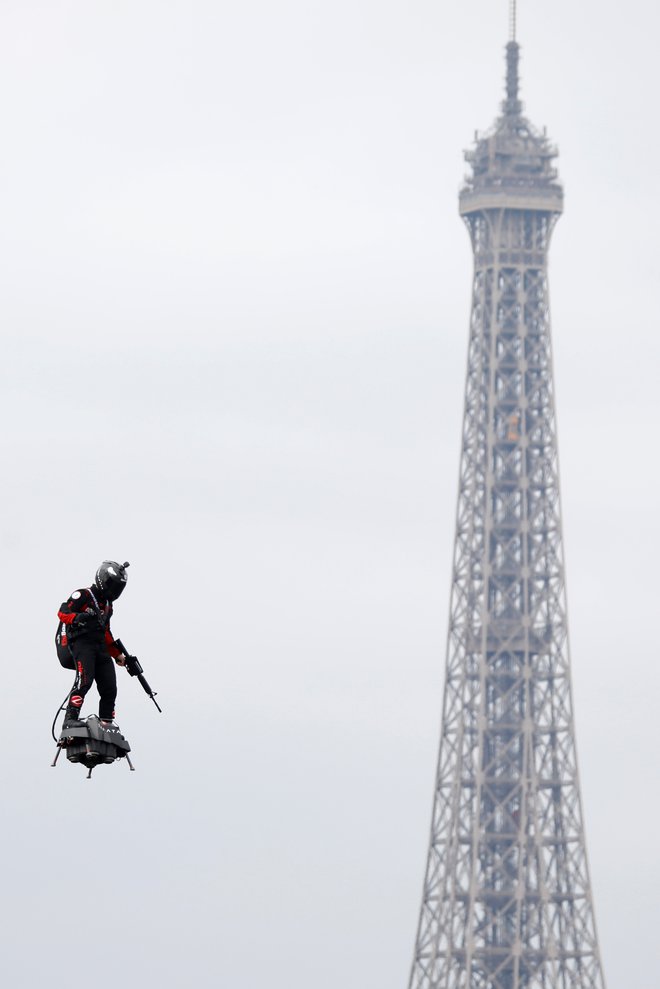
point(134, 668)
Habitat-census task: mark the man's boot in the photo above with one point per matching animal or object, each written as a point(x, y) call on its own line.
point(107, 719)
point(72, 711)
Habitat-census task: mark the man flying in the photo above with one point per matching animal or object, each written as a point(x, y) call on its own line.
point(84, 632)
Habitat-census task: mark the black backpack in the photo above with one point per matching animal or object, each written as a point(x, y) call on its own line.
point(63, 651)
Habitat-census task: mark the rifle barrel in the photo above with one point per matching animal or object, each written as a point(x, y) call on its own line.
point(147, 689)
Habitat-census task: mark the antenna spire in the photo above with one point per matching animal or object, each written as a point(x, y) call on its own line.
point(512, 105)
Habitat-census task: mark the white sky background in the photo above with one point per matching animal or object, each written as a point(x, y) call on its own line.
point(235, 299)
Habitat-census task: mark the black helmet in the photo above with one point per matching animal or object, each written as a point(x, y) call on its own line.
point(111, 578)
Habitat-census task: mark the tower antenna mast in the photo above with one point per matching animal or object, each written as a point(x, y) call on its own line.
point(512, 20)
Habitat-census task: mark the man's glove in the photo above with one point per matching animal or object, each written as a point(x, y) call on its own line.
point(85, 621)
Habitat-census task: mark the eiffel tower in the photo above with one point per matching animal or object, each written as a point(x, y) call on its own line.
point(507, 899)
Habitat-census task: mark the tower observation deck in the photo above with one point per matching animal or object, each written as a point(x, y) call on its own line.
point(507, 899)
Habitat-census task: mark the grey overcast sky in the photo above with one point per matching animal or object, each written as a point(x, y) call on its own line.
point(234, 309)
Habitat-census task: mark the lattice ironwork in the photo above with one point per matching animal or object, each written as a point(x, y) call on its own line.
point(507, 900)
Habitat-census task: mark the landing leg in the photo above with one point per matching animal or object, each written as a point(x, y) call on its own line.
point(130, 764)
point(57, 755)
